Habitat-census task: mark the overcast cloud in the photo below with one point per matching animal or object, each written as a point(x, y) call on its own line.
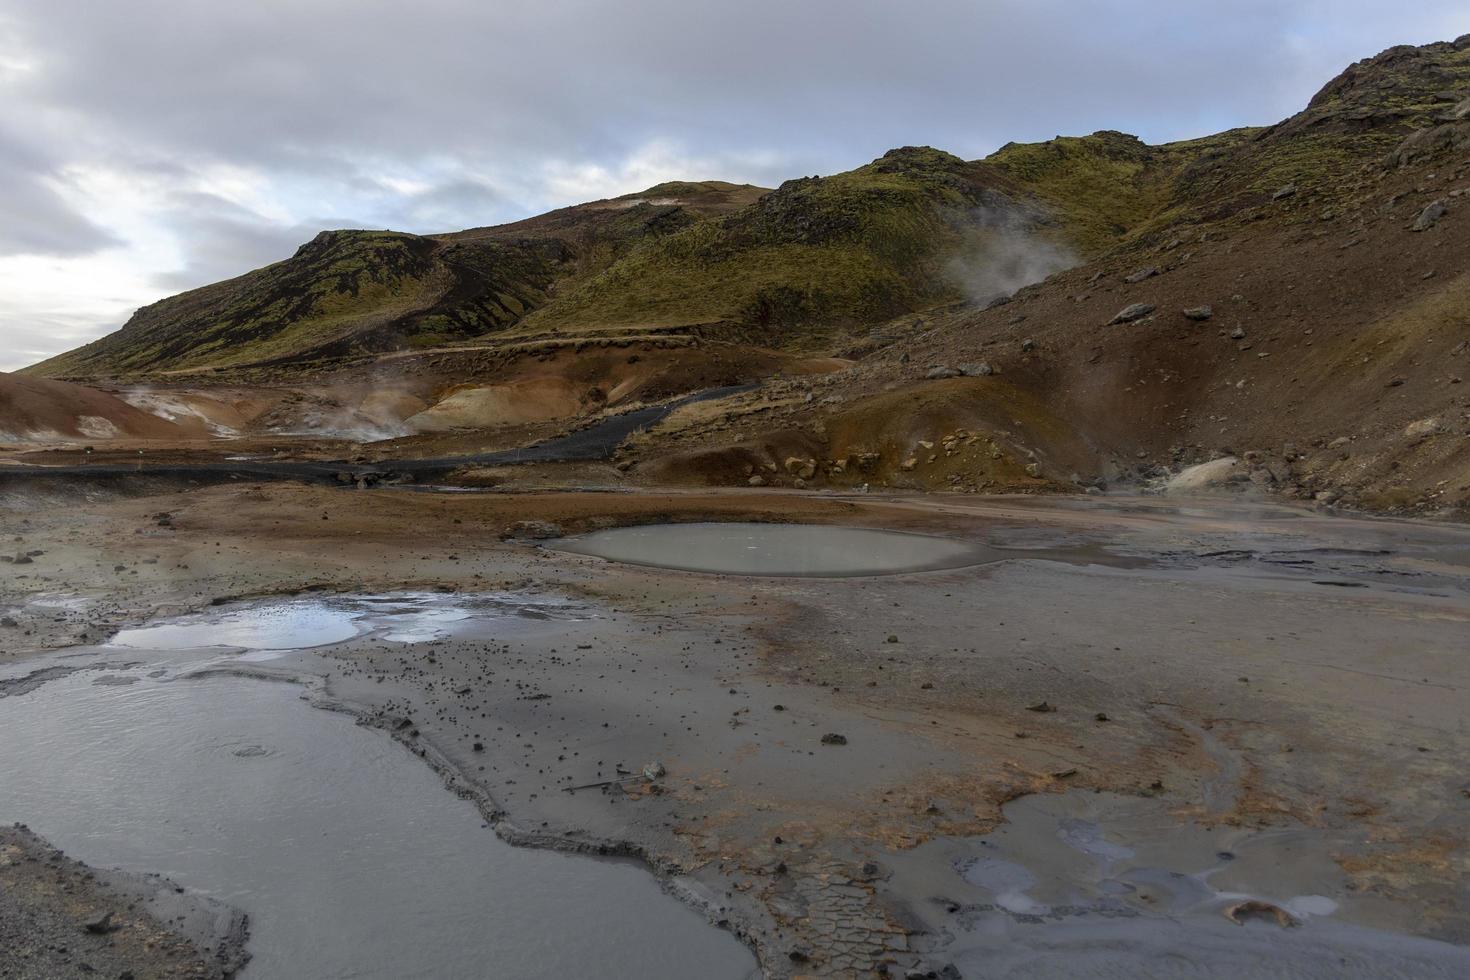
point(157, 145)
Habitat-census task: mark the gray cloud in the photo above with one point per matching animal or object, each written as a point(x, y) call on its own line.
point(225, 240)
point(37, 220)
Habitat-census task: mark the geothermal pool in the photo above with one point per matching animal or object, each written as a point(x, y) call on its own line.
point(345, 850)
point(777, 549)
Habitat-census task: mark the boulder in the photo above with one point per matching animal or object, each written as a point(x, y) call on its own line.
point(1423, 429)
point(1132, 312)
point(1430, 216)
point(1207, 476)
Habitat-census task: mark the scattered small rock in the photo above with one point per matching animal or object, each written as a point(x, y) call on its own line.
point(535, 530)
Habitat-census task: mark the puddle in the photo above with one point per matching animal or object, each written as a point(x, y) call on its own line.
point(1084, 884)
point(778, 549)
point(68, 601)
point(266, 628)
point(346, 852)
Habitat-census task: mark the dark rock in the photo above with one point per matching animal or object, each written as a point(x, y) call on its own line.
point(1040, 707)
point(1200, 313)
point(1282, 193)
point(832, 738)
point(1141, 275)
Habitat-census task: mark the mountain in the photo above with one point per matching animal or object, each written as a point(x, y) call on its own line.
point(1289, 304)
point(1078, 311)
point(355, 292)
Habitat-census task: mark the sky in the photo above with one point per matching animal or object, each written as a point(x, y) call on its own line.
point(153, 146)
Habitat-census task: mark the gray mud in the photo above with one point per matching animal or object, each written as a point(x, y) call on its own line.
point(342, 847)
point(1100, 885)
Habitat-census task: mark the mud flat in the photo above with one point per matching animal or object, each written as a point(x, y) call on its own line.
point(909, 772)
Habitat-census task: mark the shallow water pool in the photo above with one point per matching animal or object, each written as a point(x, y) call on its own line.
point(777, 549)
point(345, 850)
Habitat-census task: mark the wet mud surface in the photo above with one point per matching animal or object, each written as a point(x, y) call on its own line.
point(912, 772)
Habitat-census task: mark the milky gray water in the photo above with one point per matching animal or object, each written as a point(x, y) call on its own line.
point(776, 549)
point(345, 850)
